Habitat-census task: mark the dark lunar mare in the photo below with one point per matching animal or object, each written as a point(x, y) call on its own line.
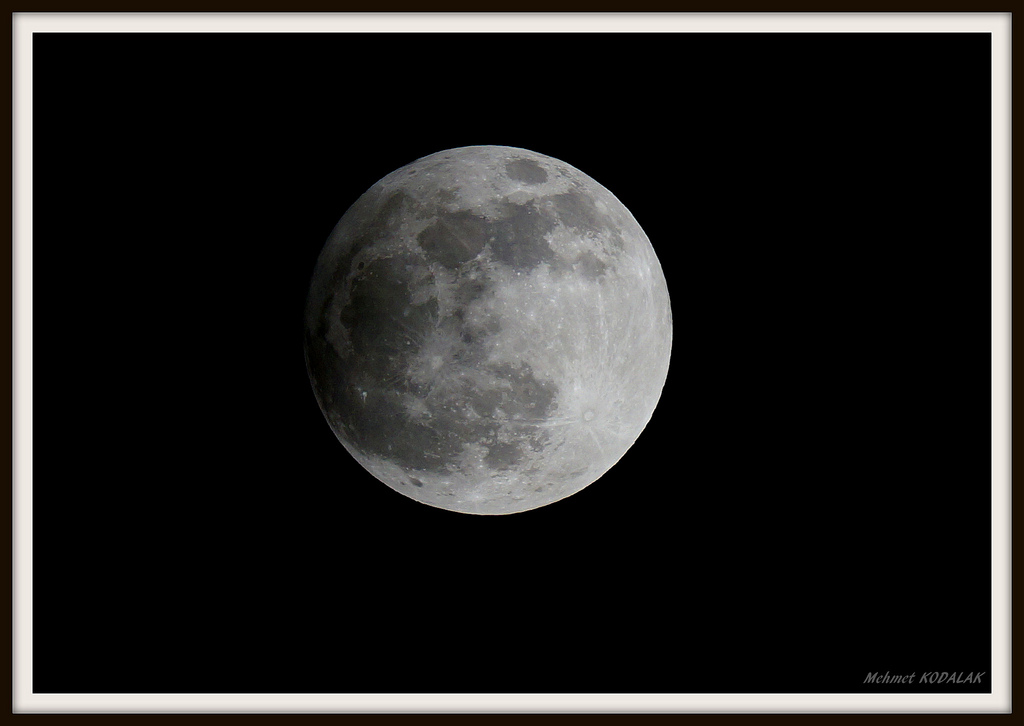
point(373, 393)
point(526, 170)
point(515, 235)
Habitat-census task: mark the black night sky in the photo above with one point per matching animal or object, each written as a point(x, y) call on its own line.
point(810, 501)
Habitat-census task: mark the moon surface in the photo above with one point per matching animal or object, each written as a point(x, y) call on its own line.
point(488, 330)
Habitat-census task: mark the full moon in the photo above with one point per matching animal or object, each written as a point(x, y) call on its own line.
point(488, 330)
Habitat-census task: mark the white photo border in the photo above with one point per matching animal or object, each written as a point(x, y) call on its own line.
point(25, 701)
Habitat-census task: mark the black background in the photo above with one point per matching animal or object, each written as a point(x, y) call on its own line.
point(809, 503)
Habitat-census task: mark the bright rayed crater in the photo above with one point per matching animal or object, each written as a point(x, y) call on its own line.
point(488, 330)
